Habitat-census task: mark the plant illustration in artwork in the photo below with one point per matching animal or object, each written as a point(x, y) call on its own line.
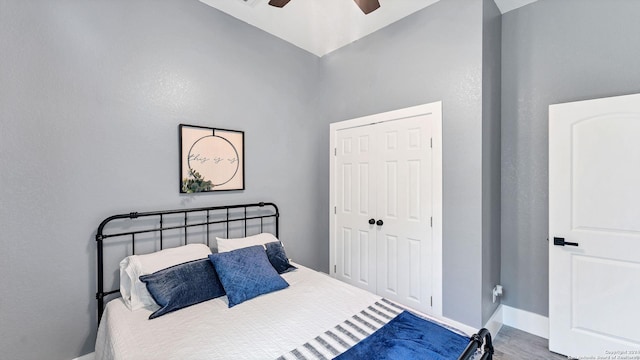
point(195, 183)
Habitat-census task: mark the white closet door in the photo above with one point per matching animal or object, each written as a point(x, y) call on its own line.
point(387, 168)
point(355, 206)
point(383, 176)
point(403, 191)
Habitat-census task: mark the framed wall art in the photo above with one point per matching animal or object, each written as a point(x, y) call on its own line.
point(210, 159)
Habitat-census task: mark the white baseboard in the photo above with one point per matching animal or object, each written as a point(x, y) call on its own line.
point(89, 356)
point(526, 321)
point(494, 324)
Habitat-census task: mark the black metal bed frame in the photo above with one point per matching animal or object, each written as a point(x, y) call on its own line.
point(269, 210)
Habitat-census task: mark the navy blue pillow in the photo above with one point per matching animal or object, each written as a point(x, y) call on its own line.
point(278, 258)
point(183, 285)
point(246, 273)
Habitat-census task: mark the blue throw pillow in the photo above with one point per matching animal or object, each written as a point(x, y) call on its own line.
point(183, 285)
point(278, 258)
point(246, 273)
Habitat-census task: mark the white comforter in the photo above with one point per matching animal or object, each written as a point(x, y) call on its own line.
point(262, 328)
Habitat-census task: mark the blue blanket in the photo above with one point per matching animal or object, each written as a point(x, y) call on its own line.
point(408, 336)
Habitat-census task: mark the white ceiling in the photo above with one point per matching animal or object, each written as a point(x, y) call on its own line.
point(322, 26)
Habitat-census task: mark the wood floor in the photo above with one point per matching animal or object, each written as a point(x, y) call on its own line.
point(513, 344)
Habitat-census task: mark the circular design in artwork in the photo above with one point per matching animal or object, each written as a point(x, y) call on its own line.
point(215, 158)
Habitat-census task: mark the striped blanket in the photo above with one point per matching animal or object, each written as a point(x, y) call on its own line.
point(345, 335)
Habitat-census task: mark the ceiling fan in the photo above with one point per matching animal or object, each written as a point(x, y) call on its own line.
point(366, 6)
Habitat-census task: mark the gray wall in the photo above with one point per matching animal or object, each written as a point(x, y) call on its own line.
point(491, 96)
point(91, 94)
point(432, 55)
point(553, 52)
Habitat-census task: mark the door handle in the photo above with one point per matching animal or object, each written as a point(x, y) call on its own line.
point(379, 222)
point(560, 242)
point(372, 221)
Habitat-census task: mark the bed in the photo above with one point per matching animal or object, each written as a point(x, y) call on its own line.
point(305, 314)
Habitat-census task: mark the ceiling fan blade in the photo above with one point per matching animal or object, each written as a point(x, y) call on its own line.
point(278, 3)
point(367, 6)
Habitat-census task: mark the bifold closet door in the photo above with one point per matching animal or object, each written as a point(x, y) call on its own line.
point(383, 209)
point(355, 207)
point(403, 197)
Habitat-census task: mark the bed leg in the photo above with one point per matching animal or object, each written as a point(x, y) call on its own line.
point(482, 337)
point(488, 344)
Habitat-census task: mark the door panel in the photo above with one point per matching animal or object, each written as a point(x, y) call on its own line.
point(345, 261)
point(415, 270)
point(414, 189)
point(594, 201)
point(355, 205)
point(589, 272)
point(390, 190)
point(606, 192)
point(364, 251)
point(404, 206)
point(388, 267)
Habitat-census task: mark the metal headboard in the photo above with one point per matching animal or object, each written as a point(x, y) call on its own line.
point(222, 215)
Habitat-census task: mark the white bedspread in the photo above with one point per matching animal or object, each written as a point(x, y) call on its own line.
point(262, 328)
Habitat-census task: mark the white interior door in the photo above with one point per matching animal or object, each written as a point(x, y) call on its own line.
point(404, 209)
point(355, 207)
point(387, 167)
point(594, 207)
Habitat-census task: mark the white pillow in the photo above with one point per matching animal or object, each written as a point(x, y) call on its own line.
point(134, 292)
point(226, 245)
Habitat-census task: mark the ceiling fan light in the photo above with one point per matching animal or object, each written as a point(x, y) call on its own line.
point(367, 6)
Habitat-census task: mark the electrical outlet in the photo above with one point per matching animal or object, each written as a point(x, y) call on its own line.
point(497, 292)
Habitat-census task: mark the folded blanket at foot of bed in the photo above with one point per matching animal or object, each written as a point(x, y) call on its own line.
point(383, 330)
point(408, 337)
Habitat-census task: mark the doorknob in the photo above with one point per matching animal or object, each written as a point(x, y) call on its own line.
point(560, 242)
point(379, 222)
point(372, 221)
